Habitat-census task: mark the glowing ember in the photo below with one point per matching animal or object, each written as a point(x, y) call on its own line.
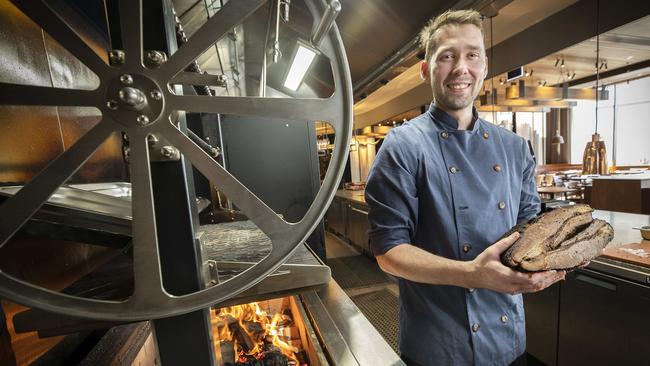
point(257, 338)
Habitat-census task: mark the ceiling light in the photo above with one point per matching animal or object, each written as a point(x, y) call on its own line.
point(562, 64)
point(379, 125)
point(544, 83)
point(573, 76)
point(557, 61)
point(501, 81)
point(302, 60)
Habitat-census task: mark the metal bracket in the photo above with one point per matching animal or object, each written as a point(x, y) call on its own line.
point(210, 273)
point(160, 150)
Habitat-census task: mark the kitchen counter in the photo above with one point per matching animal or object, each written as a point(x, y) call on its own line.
point(645, 176)
point(354, 196)
point(622, 193)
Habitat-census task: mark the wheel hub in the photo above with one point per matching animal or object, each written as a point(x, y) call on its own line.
point(134, 100)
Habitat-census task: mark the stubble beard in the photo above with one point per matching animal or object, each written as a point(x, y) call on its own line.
point(455, 103)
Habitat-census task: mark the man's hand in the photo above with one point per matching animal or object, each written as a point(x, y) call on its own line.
point(488, 272)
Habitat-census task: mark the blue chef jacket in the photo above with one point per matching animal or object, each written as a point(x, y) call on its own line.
point(452, 193)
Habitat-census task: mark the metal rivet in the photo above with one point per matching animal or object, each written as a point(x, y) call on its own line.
point(444, 134)
point(111, 104)
point(126, 79)
point(116, 57)
point(156, 94)
point(466, 248)
point(152, 140)
point(497, 168)
point(504, 319)
point(486, 135)
point(453, 170)
point(142, 119)
point(475, 327)
point(502, 205)
point(167, 151)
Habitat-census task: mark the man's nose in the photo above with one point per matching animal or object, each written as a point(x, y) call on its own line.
point(460, 67)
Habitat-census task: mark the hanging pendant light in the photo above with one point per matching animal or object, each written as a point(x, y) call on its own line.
point(594, 157)
point(557, 139)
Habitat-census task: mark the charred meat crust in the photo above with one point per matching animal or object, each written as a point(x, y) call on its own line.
point(561, 239)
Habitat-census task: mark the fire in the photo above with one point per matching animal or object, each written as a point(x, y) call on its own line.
point(251, 330)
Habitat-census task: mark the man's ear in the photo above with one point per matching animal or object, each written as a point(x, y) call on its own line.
point(424, 70)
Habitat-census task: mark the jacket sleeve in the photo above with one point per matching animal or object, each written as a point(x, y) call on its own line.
point(529, 203)
point(391, 195)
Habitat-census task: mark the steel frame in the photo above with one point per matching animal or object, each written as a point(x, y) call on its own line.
point(150, 299)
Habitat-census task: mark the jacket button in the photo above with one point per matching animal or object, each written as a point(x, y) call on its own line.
point(475, 327)
point(466, 248)
point(444, 134)
point(504, 319)
point(497, 168)
point(453, 170)
point(502, 205)
point(486, 135)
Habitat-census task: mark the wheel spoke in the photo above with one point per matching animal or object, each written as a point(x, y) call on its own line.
point(284, 108)
point(16, 94)
point(146, 260)
point(131, 29)
point(56, 27)
point(231, 15)
point(256, 210)
point(18, 209)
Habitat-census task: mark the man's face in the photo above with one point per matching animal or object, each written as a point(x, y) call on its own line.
point(457, 67)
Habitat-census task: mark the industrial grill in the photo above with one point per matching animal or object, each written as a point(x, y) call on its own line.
point(100, 240)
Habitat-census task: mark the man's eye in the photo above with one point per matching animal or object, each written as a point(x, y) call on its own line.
point(473, 55)
point(447, 57)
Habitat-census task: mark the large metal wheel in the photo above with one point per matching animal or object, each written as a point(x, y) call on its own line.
point(131, 81)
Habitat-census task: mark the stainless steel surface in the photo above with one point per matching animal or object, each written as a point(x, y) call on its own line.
point(150, 300)
point(362, 341)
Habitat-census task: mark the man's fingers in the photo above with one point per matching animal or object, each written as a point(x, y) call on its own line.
point(505, 243)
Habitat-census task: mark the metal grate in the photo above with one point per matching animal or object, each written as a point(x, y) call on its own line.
point(382, 310)
point(356, 271)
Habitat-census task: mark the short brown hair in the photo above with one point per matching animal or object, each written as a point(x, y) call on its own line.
point(456, 17)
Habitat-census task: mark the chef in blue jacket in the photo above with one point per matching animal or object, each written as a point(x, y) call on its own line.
point(443, 189)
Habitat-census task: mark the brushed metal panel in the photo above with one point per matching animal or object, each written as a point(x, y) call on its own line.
point(22, 58)
point(30, 138)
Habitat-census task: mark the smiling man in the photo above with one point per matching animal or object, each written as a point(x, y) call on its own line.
point(443, 189)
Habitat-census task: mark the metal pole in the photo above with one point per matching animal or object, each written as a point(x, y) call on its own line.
point(326, 22)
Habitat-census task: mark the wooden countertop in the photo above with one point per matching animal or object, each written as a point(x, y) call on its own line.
point(627, 245)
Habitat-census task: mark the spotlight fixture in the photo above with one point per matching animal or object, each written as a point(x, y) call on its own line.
point(544, 83)
point(301, 63)
point(527, 73)
point(379, 125)
point(573, 76)
point(557, 61)
point(562, 64)
point(501, 81)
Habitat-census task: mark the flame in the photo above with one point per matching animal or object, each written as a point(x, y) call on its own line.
point(246, 315)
